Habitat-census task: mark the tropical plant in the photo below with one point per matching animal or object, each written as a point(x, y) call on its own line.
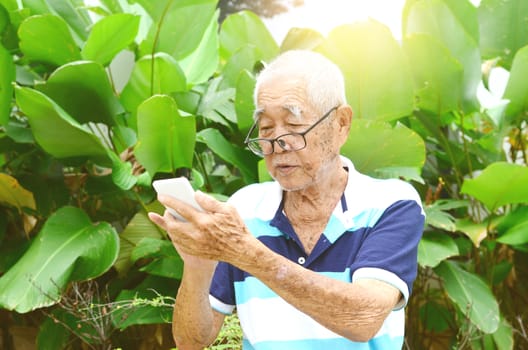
point(98, 101)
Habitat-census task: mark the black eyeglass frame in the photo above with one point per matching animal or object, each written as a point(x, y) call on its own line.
point(248, 140)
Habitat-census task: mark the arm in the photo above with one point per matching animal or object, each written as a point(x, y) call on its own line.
point(195, 324)
point(353, 310)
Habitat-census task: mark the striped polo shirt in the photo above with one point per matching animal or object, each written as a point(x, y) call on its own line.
point(372, 233)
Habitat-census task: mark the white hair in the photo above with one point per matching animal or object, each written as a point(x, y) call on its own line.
point(325, 84)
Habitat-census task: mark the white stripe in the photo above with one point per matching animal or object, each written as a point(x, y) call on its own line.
point(275, 319)
point(394, 325)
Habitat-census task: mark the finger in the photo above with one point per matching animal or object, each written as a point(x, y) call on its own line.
point(158, 220)
point(185, 210)
point(209, 203)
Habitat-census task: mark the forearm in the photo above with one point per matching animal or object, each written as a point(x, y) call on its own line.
point(353, 310)
point(194, 324)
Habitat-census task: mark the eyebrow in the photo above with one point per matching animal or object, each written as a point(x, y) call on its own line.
point(295, 110)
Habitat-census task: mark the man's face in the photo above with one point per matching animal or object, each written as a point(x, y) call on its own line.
point(304, 168)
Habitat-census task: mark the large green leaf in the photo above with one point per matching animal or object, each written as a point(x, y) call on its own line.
point(12, 193)
point(138, 228)
point(378, 80)
point(435, 247)
point(165, 139)
point(244, 104)
point(243, 29)
point(503, 28)
point(46, 38)
point(517, 89)
point(7, 76)
point(516, 235)
point(109, 36)
point(69, 10)
point(83, 90)
point(499, 184)
point(472, 296)
point(165, 260)
point(242, 159)
point(202, 63)
point(68, 248)
point(437, 75)
point(158, 74)
point(301, 39)
point(398, 148)
point(56, 131)
point(436, 18)
point(179, 26)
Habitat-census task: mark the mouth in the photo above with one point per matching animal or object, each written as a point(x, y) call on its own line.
point(285, 169)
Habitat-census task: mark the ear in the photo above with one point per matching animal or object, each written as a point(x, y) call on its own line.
point(344, 119)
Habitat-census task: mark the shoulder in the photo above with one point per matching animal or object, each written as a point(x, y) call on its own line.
point(380, 193)
point(261, 199)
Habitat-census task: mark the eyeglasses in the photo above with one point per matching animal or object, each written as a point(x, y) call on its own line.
point(293, 141)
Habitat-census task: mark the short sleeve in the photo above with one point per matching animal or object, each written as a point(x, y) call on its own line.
point(221, 293)
point(390, 248)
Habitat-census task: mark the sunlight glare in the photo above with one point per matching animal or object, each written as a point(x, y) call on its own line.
point(323, 16)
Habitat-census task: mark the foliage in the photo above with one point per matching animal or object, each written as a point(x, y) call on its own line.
point(96, 102)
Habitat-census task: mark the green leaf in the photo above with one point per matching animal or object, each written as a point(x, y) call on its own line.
point(516, 235)
point(243, 29)
point(437, 19)
point(68, 248)
point(499, 184)
point(74, 15)
point(302, 39)
point(472, 296)
point(394, 147)
point(242, 159)
point(476, 231)
point(46, 38)
point(109, 36)
point(165, 139)
point(83, 90)
point(56, 131)
point(377, 75)
point(140, 227)
point(244, 104)
point(503, 28)
point(437, 75)
point(216, 103)
point(517, 89)
point(202, 63)
point(436, 215)
point(503, 337)
point(159, 74)
point(435, 247)
point(52, 335)
point(166, 261)
point(7, 77)
point(4, 18)
point(179, 26)
point(12, 193)
point(122, 174)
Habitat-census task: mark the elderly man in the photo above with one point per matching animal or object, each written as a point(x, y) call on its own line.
point(321, 258)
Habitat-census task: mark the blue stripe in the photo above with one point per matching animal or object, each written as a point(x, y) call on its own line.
point(251, 287)
point(380, 343)
point(334, 229)
point(260, 228)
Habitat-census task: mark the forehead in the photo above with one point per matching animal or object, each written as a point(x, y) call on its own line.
point(282, 95)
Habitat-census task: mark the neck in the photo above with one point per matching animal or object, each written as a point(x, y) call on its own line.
point(319, 200)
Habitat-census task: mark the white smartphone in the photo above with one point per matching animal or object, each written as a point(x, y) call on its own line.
point(179, 188)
